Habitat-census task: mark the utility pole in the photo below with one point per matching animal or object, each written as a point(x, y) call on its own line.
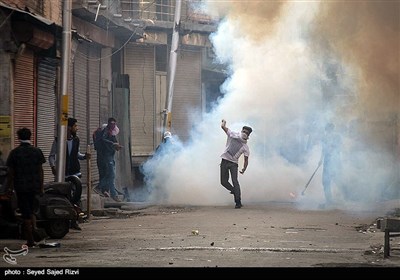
point(172, 66)
point(63, 100)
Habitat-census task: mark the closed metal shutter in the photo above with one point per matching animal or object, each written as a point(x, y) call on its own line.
point(85, 100)
point(187, 98)
point(80, 91)
point(5, 72)
point(24, 94)
point(140, 66)
point(79, 106)
point(46, 109)
point(94, 105)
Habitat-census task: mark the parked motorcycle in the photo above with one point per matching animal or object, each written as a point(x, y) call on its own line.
point(53, 210)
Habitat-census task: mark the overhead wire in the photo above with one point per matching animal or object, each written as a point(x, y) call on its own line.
point(121, 47)
point(146, 8)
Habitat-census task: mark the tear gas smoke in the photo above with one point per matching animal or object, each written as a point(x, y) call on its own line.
point(295, 66)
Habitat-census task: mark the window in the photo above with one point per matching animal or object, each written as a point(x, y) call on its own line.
point(165, 10)
point(161, 58)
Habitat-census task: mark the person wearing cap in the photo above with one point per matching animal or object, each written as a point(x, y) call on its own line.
point(166, 141)
point(236, 145)
point(167, 136)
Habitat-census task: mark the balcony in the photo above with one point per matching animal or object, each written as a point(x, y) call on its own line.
point(126, 16)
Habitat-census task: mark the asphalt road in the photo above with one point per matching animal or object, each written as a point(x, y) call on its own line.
point(271, 235)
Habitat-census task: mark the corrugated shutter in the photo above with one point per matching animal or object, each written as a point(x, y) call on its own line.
point(187, 98)
point(80, 79)
point(140, 66)
point(79, 109)
point(24, 97)
point(85, 100)
point(5, 67)
point(94, 105)
point(46, 109)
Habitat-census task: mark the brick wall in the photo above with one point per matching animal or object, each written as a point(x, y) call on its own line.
point(53, 10)
point(49, 9)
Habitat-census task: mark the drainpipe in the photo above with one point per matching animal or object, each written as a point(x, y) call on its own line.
point(63, 100)
point(172, 67)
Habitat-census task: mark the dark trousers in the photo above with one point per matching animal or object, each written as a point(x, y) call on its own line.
point(101, 167)
point(106, 165)
point(25, 201)
point(232, 168)
point(76, 189)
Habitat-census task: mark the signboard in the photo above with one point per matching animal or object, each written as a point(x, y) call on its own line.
point(5, 126)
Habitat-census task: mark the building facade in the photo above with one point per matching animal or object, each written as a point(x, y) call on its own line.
point(119, 67)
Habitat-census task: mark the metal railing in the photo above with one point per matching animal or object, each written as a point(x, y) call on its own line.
point(160, 10)
point(154, 10)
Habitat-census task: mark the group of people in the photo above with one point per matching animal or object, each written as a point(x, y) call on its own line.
point(26, 171)
point(26, 176)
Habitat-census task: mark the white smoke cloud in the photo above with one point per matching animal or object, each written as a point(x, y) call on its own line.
point(277, 86)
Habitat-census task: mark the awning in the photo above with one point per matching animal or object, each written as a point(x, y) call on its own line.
point(28, 16)
point(32, 29)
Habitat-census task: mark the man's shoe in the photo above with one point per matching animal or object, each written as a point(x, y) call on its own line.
point(39, 234)
point(31, 245)
point(117, 199)
point(74, 225)
point(106, 194)
point(238, 206)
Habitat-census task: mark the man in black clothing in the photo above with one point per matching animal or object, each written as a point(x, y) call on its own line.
point(25, 176)
point(72, 166)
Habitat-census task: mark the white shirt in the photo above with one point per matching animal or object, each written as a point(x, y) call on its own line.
point(235, 147)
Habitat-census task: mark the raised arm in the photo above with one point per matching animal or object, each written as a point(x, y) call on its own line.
point(223, 126)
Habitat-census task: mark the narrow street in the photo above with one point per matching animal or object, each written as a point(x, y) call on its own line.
point(269, 235)
point(289, 106)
